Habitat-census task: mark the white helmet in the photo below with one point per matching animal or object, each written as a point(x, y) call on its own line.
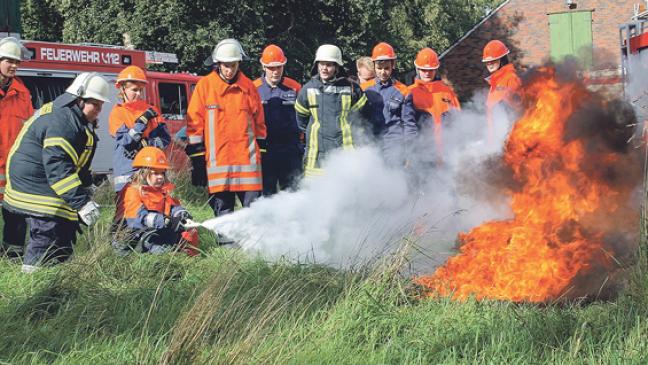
point(228, 50)
point(89, 85)
point(11, 48)
point(329, 53)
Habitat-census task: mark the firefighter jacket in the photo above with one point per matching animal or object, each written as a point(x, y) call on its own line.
point(147, 207)
point(124, 124)
point(432, 103)
point(15, 109)
point(393, 119)
point(332, 114)
point(279, 110)
point(49, 164)
point(504, 84)
point(228, 119)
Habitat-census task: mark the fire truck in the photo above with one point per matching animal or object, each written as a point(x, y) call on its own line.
point(634, 57)
point(53, 66)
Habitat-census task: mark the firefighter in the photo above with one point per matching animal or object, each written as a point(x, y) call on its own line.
point(49, 170)
point(430, 99)
point(15, 109)
point(226, 131)
point(134, 124)
point(394, 124)
point(331, 109)
point(151, 218)
point(281, 161)
point(503, 80)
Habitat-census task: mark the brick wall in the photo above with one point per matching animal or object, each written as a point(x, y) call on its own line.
point(524, 26)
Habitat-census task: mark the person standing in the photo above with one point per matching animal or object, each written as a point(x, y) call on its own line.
point(365, 68)
point(48, 171)
point(282, 159)
point(226, 131)
point(15, 109)
point(331, 109)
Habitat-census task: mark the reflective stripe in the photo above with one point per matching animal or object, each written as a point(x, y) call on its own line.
point(251, 142)
point(236, 181)
point(123, 179)
point(85, 155)
point(347, 137)
point(360, 103)
point(308, 172)
point(211, 120)
point(233, 168)
point(40, 204)
point(64, 185)
point(333, 89)
point(312, 138)
point(63, 144)
point(197, 154)
point(149, 220)
point(301, 109)
point(195, 139)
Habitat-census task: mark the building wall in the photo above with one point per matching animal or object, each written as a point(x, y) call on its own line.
point(524, 26)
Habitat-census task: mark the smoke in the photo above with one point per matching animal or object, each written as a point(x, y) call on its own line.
point(362, 207)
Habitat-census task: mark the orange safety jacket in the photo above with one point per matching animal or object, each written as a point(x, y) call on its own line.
point(228, 119)
point(504, 84)
point(15, 109)
point(433, 99)
point(127, 114)
point(138, 201)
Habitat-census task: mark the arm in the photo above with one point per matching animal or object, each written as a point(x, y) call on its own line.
point(196, 116)
point(301, 110)
point(408, 115)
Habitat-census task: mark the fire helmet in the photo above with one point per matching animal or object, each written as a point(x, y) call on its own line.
point(151, 157)
point(228, 50)
point(89, 85)
point(11, 48)
point(494, 50)
point(273, 56)
point(383, 52)
point(329, 53)
point(131, 73)
point(427, 59)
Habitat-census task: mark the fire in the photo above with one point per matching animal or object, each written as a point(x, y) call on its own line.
point(550, 241)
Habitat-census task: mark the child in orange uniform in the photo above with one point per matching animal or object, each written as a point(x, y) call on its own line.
point(151, 217)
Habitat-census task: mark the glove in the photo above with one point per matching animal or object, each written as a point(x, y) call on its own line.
point(149, 114)
point(183, 214)
point(199, 168)
point(89, 213)
point(177, 221)
point(263, 145)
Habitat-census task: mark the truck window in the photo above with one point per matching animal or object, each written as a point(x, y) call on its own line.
point(45, 89)
point(173, 101)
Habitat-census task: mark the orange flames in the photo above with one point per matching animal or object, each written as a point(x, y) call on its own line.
point(551, 240)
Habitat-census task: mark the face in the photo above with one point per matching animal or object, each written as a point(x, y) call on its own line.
point(91, 109)
point(8, 68)
point(273, 74)
point(426, 75)
point(493, 66)
point(133, 90)
point(156, 178)
point(228, 69)
point(326, 70)
point(365, 74)
point(384, 70)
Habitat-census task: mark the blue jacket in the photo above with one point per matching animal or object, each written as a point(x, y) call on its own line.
point(394, 120)
point(279, 110)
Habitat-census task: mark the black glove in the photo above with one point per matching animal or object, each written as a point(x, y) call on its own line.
point(176, 223)
point(263, 145)
point(147, 115)
point(196, 153)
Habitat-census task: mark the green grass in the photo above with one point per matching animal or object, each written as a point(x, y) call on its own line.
point(226, 308)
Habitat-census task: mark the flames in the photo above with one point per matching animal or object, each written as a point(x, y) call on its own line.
point(553, 237)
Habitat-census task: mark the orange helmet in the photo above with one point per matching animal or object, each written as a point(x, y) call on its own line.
point(273, 56)
point(427, 59)
point(383, 52)
point(131, 73)
point(151, 157)
point(494, 50)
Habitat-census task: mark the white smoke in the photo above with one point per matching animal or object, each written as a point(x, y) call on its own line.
point(361, 208)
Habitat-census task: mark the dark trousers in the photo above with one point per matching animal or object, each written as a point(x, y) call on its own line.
point(223, 202)
point(14, 230)
point(282, 165)
point(50, 240)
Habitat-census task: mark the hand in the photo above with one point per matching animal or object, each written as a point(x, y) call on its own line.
point(176, 223)
point(89, 213)
point(263, 145)
point(149, 114)
point(183, 214)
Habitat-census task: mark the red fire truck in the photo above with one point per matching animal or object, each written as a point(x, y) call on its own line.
point(634, 56)
point(53, 66)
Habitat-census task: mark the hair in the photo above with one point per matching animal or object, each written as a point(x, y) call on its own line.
point(365, 62)
point(139, 177)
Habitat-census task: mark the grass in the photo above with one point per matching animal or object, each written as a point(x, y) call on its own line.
point(226, 308)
